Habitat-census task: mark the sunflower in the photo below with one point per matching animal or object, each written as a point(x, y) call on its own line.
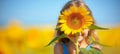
point(75, 20)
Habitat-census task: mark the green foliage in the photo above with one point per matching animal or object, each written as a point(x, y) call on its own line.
point(84, 51)
point(56, 38)
point(91, 51)
point(97, 27)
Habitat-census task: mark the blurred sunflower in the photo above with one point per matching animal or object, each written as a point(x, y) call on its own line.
point(38, 37)
point(33, 38)
point(14, 30)
point(74, 20)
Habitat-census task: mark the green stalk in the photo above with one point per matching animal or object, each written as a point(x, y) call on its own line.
point(76, 45)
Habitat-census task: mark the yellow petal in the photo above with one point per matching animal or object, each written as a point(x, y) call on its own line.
point(66, 13)
point(88, 18)
point(62, 21)
point(73, 8)
point(83, 11)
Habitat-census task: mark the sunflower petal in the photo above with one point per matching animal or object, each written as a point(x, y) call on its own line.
point(61, 21)
point(88, 18)
point(66, 13)
point(73, 8)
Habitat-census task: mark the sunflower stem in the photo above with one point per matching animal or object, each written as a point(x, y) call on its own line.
point(76, 44)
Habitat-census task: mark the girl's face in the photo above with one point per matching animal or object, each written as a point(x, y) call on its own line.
point(81, 36)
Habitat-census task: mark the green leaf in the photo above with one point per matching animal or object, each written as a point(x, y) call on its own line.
point(91, 51)
point(97, 27)
point(56, 38)
point(84, 51)
point(95, 51)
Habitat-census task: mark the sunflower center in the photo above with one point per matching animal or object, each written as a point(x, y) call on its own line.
point(74, 21)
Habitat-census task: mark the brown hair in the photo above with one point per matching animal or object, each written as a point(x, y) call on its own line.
point(66, 6)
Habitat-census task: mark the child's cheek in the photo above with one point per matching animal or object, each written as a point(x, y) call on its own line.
point(86, 32)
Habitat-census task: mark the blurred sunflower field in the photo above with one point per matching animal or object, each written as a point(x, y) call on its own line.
point(15, 39)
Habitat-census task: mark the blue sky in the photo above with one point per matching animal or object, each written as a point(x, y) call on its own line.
point(45, 12)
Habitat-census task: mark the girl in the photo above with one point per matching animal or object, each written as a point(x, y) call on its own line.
point(65, 45)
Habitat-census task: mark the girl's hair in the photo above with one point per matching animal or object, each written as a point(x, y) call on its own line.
point(67, 5)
